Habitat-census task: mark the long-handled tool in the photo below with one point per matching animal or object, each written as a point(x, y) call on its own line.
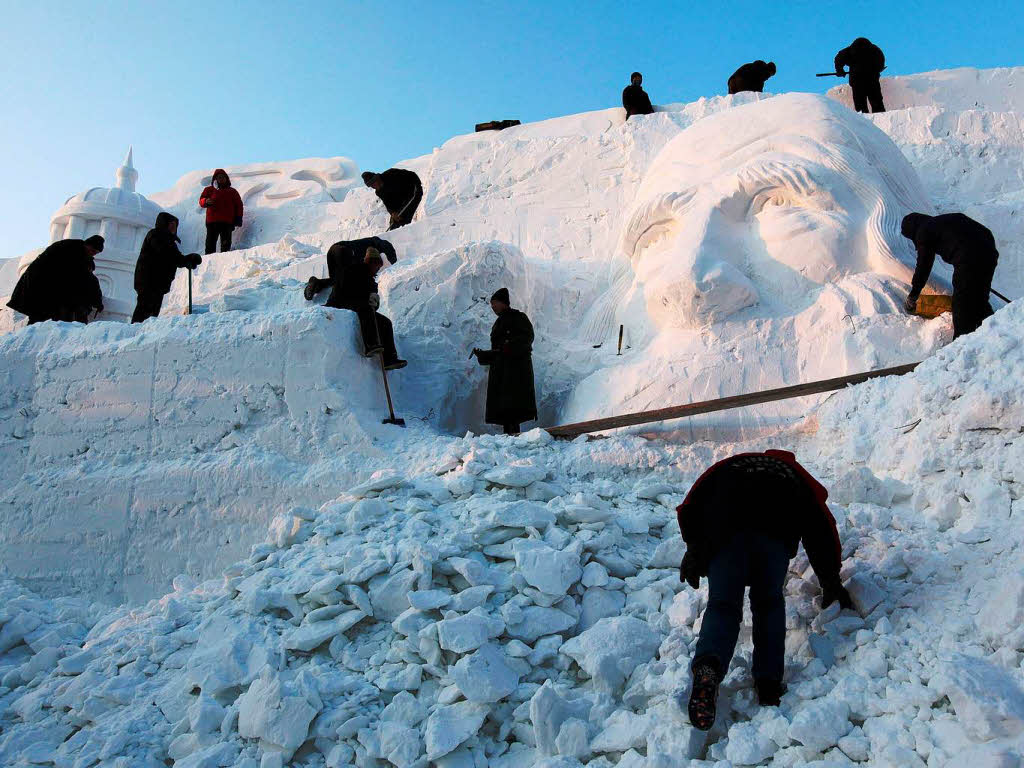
point(997, 293)
point(384, 374)
point(189, 291)
point(620, 340)
point(830, 74)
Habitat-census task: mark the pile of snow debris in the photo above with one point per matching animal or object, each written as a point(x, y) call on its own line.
point(520, 606)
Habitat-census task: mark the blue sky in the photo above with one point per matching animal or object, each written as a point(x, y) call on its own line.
point(223, 82)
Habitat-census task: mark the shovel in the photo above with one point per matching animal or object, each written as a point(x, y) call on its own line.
point(387, 389)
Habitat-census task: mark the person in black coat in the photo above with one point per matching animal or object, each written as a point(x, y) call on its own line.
point(742, 522)
point(401, 192)
point(970, 248)
point(866, 62)
point(158, 260)
point(511, 399)
point(751, 77)
point(341, 255)
point(357, 292)
point(634, 98)
point(60, 283)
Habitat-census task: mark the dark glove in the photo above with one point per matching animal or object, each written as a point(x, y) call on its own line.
point(689, 571)
point(238, 221)
point(910, 305)
point(194, 260)
point(832, 592)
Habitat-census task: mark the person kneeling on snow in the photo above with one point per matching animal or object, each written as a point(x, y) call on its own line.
point(158, 260)
point(59, 284)
point(742, 522)
point(510, 395)
point(357, 291)
point(343, 254)
point(223, 211)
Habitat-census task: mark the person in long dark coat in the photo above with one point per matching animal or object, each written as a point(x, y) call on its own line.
point(511, 399)
point(343, 254)
point(635, 99)
point(742, 522)
point(60, 283)
point(866, 62)
point(970, 248)
point(158, 260)
point(357, 292)
point(400, 190)
point(751, 77)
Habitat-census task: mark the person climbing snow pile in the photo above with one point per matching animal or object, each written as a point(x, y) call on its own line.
point(401, 192)
point(343, 254)
point(223, 211)
point(742, 521)
point(357, 292)
point(511, 398)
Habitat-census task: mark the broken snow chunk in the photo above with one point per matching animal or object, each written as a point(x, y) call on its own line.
point(864, 593)
point(1002, 616)
point(535, 621)
point(548, 710)
point(468, 632)
point(821, 724)
point(579, 513)
point(515, 475)
point(485, 675)
point(476, 573)
point(447, 727)
point(823, 649)
point(471, 598)
point(286, 530)
point(547, 569)
point(377, 483)
point(573, 740)
point(518, 514)
point(399, 744)
point(622, 731)
point(429, 599)
point(669, 553)
point(309, 636)
point(365, 512)
point(987, 701)
point(390, 596)
point(404, 708)
point(611, 649)
point(652, 491)
point(270, 713)
point(400, 677)
point(749, 745)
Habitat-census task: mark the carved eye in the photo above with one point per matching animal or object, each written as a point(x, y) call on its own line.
point(772, 199)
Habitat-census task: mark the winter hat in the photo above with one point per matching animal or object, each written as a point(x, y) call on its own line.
point(502, 295)
point(95, 241)
point(368, 176)
point(771, 67)
point(910, 224)
point(635, 74)
point(373, 254)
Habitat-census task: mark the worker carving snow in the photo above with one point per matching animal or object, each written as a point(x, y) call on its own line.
point(223, 211)
point(970, 248)
point(634, 98)
point(158, 260)
point(742, 522)
point(401, 192)
point(357, 291)
point(751, 77)
point(772, 199)
point(866, 62)
point(511, 399)
point(343, 254)
point(59, 284)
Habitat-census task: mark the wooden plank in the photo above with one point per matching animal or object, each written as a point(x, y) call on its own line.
point(724, 403)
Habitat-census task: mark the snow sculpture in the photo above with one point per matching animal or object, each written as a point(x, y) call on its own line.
point(764, 203)
point(123, 217)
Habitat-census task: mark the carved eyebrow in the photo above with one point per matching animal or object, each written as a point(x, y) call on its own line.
point(660, 210)
point(796, 178)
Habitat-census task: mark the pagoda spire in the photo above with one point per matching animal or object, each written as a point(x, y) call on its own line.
point(126, 174)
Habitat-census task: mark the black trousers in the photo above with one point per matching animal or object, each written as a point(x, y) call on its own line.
point(147, 306)
point(971, 285)
point(377, 330)
point(404, 216)
point(748, 558)
point(866, 90)
point(217, 229)
point(510, 429)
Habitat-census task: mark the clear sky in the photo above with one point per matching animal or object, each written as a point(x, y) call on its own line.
point(199, 85)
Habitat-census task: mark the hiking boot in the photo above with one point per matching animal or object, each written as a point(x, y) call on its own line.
point(770, 692)
point(395, 364)
point(312, 288)
point(704, 695)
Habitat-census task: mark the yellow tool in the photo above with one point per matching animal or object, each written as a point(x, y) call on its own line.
point(933, 305)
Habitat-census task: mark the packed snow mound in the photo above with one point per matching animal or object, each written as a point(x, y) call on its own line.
point(518, 604)
point(955, 90)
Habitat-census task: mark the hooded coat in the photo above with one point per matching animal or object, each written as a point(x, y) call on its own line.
point(636, 101)
point(400, 187)
point(864, 58)
point(223, 205)
point(770, 493)
point(511, 398)
point(59, 281)
point(751, 77)
point(159, 258)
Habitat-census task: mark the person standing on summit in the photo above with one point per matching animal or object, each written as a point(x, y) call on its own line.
point(511, 399)
point(223, 211)
point(866, 62)
point(751, 77)
point(970, 248)
point(634, 98)
point(401, 192)
point(742, 522)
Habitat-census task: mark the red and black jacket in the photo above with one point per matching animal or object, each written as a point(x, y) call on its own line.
point(769, 492)
point(223, 205)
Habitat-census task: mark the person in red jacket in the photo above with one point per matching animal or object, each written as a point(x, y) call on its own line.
point(742, 522)
point(223, 211)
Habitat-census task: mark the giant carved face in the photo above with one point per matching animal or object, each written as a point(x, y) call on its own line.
point(762, 203)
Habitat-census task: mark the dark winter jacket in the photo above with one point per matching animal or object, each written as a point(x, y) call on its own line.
point(864, 58)
point(751, 77)
point(510, 395)
point(159, 258)
point(958, 239)
point(636, 101)
point(353, 290)
point(346, 252)
point(400, 188)
point(770, 493)
point(223, 205)
point(58, 280)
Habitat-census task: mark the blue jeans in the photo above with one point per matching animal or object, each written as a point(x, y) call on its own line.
point(760, 561)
